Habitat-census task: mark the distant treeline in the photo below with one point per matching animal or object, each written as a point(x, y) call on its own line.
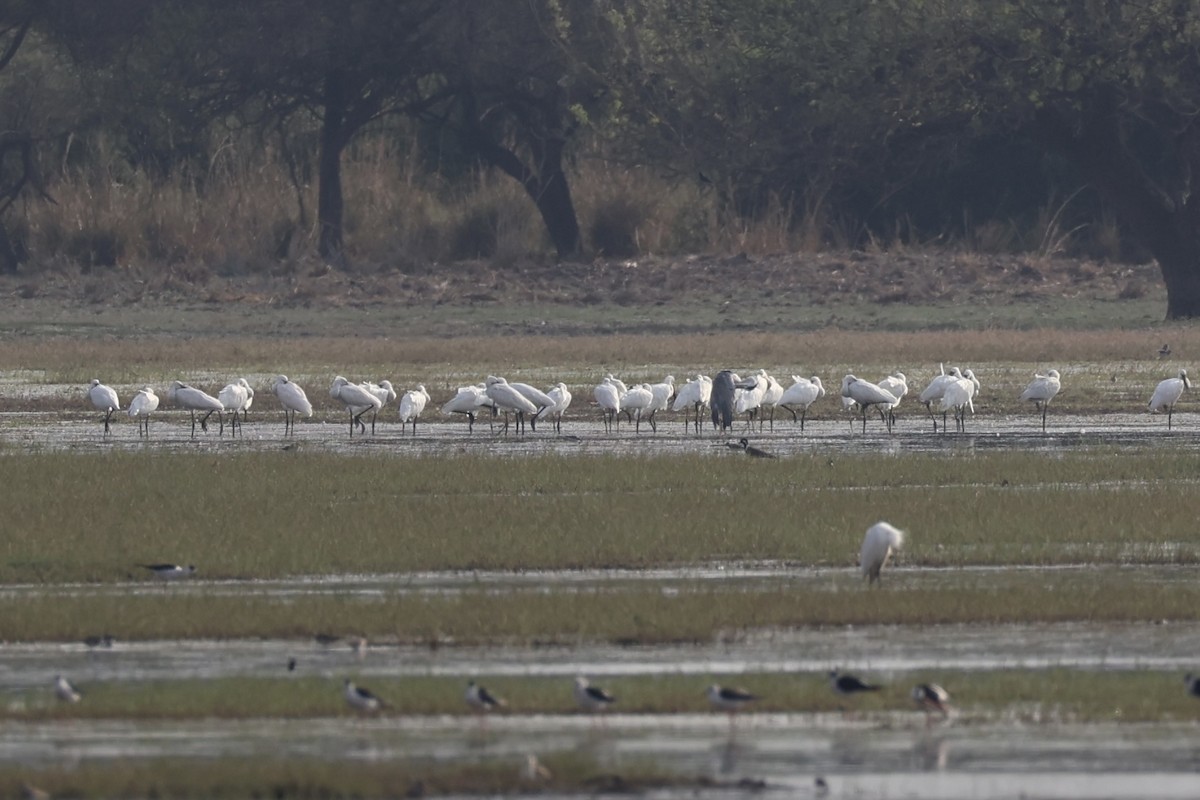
point(370, 132)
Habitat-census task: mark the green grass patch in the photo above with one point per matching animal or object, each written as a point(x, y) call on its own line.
point(1026, 695)
point(271, 514)
point(689, 612)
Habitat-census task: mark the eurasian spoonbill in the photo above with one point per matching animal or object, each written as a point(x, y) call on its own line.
point(234, 397)
point(608, 397)
point(141, 406)
point(749, 400)
point(867, 394)
point(386, 394)
point(540, 399)
point(881, 540)
point(663, 392)
point(1167, 394)
point(195, 400)
point(1041, 390)
point(933, 392)
point(770, 400)
point(506, 398)
point(411, 405)
point(357, 399)
point(637, 400)
point(469, 400)
point(561, 396)
point(959, 396)
point(293, 400)
point(801, 394)
point(104, 399)
point(694, 396)
point(897, 385)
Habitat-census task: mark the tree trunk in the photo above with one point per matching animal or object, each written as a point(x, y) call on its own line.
point(1162, 220)
point(546, 185)
point(330, 204)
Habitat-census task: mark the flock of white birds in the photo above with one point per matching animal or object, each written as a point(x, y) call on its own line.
point(727, 396)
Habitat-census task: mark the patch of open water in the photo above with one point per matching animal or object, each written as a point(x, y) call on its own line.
point(788, 752)
point(170, 430)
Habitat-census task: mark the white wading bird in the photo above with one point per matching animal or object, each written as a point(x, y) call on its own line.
point(933, 392)
point(636, 401)
point(663, 392)
point(960, 396)
point(64, 691)
point(234, 398)
point(357, 399)
point(867, 394)
point(507, 399)
point(693, 395)
point(770, 400)
point(878, 544)
point(469, 400)
point(195, 400)
point(104, 399)
point(540, 399)
point(1167, 394)
point(897, 385)
point(411, 406)
point(561, 396)
point(1041, 390)
point(608, 397)
point(293, 400)
point(386, 394)
point(749, 399)
point(801, 394)
point(141, 406)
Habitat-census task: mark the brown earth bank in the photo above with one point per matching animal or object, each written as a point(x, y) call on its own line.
point(786, 278)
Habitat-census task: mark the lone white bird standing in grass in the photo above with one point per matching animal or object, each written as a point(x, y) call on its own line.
point(293, 400)
point(141, 406)
point(411, 405)
point(104, 398)
point(1167, 394)
point(1041, 390)
point(64, 691)
point(877, 547)
point(194, 400)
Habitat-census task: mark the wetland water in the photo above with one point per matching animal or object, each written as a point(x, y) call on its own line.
point(891, 755)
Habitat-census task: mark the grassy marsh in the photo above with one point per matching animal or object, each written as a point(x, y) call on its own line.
point(1025, 695)
point(91, 517)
